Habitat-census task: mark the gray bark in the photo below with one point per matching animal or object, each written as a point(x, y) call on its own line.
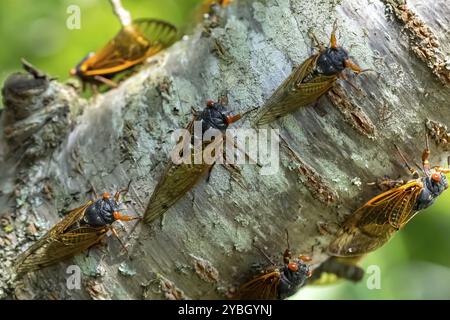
point(55, 146)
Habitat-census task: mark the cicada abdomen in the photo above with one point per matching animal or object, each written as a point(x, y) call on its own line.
point(181, 177)
point(374, 224)
point(79, 230)
point(131, 46)
point(336, 268)
point(307, 83)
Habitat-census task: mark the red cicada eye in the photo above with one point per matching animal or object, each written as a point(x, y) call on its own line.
point(106, 195)
point(293, 266)
point(210, 103)
point(436, 177)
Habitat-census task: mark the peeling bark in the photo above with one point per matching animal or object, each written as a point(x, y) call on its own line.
point(56, 147)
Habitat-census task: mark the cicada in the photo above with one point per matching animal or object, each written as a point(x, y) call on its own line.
point(132, 45)
point(79, 230)
point(277, 281)
point(374, 224)
point(179, 178)
point(308, 82)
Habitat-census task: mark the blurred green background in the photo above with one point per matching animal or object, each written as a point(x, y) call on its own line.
point(414, 265)
point(36, 30)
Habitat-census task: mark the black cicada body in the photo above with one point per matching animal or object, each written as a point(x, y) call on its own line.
point(79, 230)
point(179, 178)
point(312, 79)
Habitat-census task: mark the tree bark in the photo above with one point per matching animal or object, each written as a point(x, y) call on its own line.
point(57, 146)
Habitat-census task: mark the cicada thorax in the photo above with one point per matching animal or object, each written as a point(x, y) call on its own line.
point(276, 282)
point(131, 46)
point(79, 230)
point(181, 177)
point(374, 224)
point(307, 83)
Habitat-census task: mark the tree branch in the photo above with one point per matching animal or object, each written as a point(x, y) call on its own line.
point(123, 14)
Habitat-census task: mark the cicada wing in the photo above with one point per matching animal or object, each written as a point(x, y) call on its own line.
point(160, 34)
point(295, 92)
point(262, 287)
point(372, 225)
point(177, 180)
point(29, 259)
point(70, 219)
point(66, 245)
point(132, 45)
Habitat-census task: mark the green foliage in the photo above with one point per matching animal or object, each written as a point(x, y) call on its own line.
point(37, 31)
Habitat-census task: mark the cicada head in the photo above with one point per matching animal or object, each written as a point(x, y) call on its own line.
point(293, 276)
point(217, 117)
point(102, 212)
point(433, 186)
point(81, 67)
point(437, 182)
point(332, 61)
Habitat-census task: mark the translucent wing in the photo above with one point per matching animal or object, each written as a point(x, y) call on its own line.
point(177, 180)
point(263, 287)
point(299, 89)
point(132, 45)
point(374, 224)
point(64, 240)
